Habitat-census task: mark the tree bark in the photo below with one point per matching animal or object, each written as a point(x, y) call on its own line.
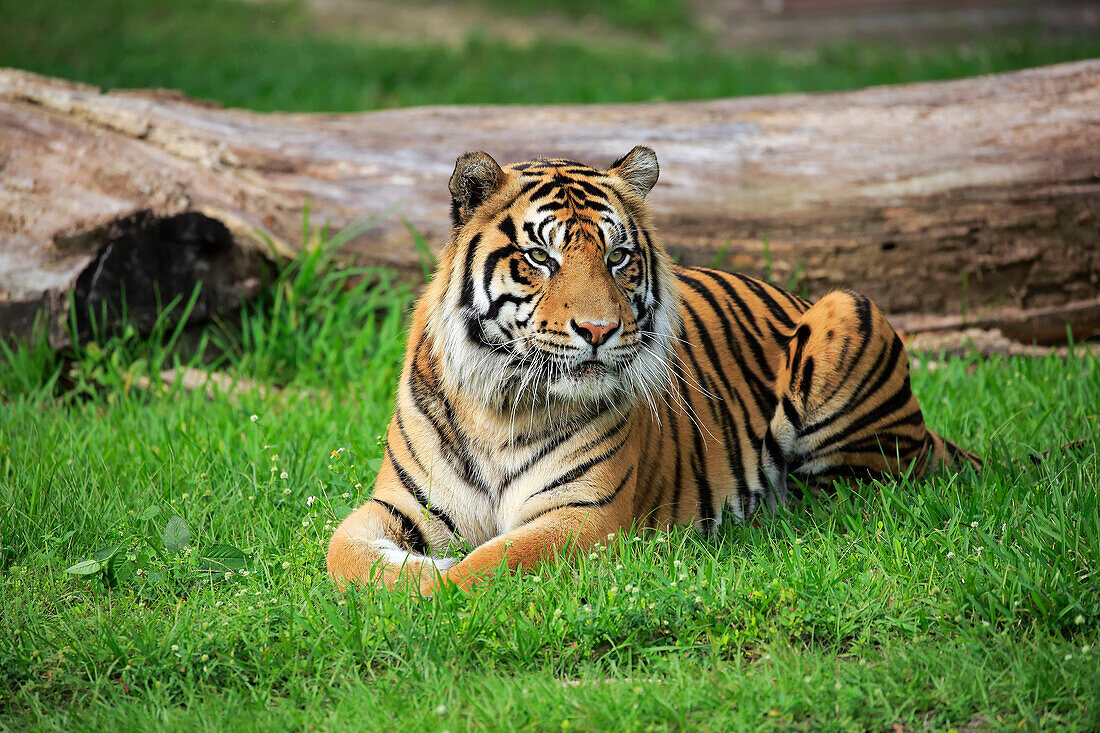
point(972, 203)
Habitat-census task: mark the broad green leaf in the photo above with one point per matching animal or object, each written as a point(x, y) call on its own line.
point(106, 553)
point(88, 567)
point(150, 513)
point(219, 558)
point(342, 510)
point(176, 535)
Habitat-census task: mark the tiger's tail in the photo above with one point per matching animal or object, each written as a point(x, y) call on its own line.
point(945, 454)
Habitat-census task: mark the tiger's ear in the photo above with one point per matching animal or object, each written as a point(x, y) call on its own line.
point(477, 177)
point(638, 169)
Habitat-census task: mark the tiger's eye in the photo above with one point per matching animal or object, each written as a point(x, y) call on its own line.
point(617, 256)
point(538, 255)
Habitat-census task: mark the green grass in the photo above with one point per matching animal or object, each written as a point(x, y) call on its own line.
point(656, 17)
point(959, 601)
point(267, 57)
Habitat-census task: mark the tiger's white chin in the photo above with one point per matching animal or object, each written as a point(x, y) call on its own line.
point(588, 382)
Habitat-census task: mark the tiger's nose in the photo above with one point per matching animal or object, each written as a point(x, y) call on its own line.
point(594, 333)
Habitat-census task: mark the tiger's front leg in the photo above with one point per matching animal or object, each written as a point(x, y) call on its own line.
point(389, 540)
point(550, 526)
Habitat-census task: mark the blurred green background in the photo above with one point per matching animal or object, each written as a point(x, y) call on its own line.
point(348, 55)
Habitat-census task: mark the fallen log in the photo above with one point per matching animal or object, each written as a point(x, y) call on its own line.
point(972, 203)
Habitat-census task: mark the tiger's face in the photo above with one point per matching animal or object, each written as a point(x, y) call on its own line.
point(556, 290)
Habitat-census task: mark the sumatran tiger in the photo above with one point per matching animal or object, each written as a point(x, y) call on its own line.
point(563, 380)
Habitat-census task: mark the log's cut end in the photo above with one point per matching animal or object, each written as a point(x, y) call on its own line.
point(131, 269)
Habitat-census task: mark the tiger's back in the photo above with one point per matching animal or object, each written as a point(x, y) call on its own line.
point(751, 375)
point(563, 380)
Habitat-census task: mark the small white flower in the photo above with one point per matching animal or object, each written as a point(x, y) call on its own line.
point(1068, 657)
point(611, 537)
point(286, 564)
point(254, 418)
point(284, 474)
point(244, 573)
point(950, 554)
point(228, 574)
point(305, 522)
point(973, 524)
point(537, 579)
point(440, 709)
point(286, 490)
point(698, 599)
point(175, 647)
point(205, 658)
point(342, 602)
point(346, 495)
point(274, 457)
point(557, 612)
point(676, 563)
point(1079, 619)
point(218, 604)
point(310, 500)
point(593, 556)
point(358, 486)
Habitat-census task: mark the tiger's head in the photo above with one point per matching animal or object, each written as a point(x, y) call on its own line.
point(554, 288)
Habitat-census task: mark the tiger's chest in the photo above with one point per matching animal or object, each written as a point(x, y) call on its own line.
point(484, 475)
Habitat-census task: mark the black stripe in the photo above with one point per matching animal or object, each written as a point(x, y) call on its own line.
point(412, 533)
point(488, 269)
point(557, 441)
point(414, 489)
point(760, 289)
point(467, 299)
point(884, 368)
point(763, 394)
point(579, 471)
point(737, 464)
point(507, 227)
point(593, 503)
point(895, 402)
point(792, 414)
point(807, 379)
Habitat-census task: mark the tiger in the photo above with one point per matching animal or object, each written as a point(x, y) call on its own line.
point(564, 381)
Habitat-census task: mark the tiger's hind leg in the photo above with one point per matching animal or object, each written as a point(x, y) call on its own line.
point(845, 407)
